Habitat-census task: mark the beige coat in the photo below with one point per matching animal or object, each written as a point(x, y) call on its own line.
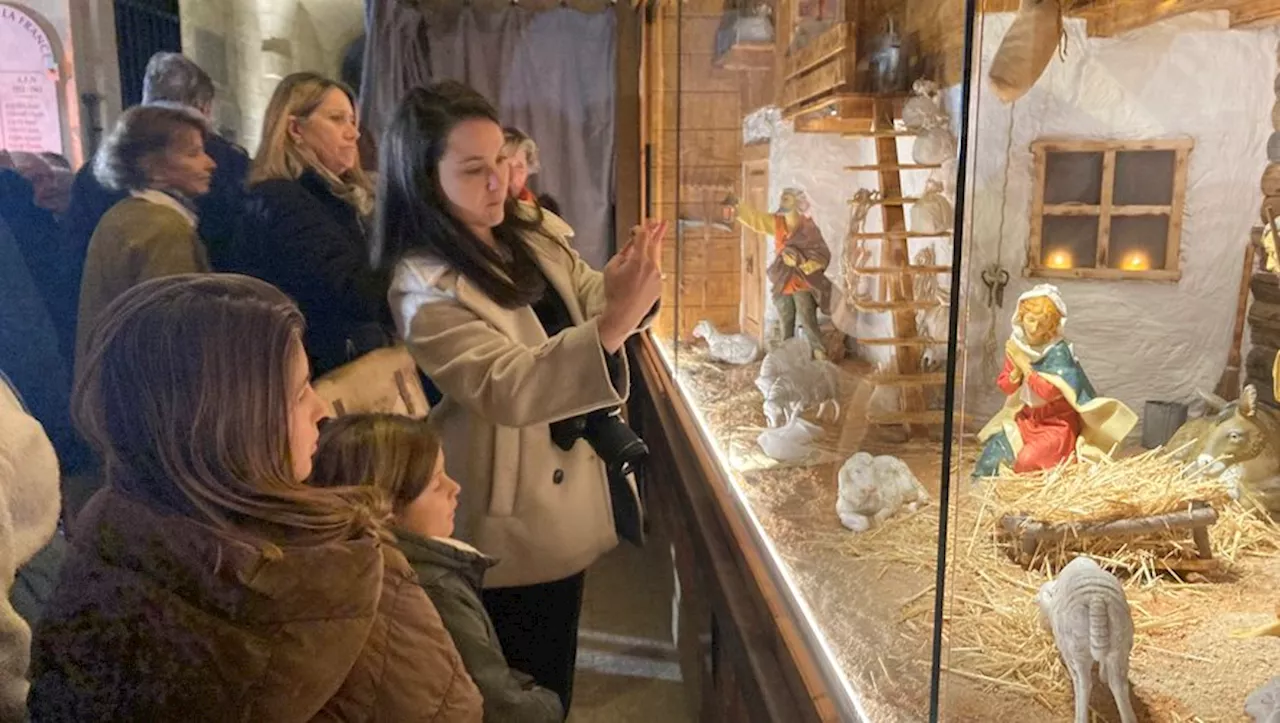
point(544, 513)
point(29, 504)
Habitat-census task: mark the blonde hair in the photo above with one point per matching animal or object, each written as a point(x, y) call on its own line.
point(1043, 306)
point(393, 453)
point(513, 140)
point(280, 156)
point(184, 393)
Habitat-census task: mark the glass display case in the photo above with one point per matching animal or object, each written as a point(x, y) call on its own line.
point(944, 498)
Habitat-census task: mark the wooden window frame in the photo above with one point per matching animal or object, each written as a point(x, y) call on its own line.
point(1106, 209)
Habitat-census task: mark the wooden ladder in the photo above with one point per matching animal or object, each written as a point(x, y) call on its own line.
point(897, 292)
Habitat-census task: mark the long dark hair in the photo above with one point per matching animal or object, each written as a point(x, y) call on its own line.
point(413, 216)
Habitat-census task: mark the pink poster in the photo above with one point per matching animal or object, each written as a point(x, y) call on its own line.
point(29, 118)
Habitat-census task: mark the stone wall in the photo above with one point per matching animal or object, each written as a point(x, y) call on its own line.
point(247, 46)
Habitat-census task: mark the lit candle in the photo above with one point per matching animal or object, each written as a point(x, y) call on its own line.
point(1136, 261)
point(1059, 259)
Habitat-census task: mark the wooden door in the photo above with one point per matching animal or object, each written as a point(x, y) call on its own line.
point(755, 191)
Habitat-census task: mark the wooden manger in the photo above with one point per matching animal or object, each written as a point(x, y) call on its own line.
point(1029, 535)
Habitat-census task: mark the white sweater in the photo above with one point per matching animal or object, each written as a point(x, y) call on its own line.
point(29, 507)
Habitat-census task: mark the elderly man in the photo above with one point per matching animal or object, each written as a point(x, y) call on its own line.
point(797, 275)
point(174, 78)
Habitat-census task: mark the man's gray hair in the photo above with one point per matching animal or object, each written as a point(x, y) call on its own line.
point(175, 78)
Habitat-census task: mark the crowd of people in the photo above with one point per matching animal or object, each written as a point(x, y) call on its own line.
point(251, 549)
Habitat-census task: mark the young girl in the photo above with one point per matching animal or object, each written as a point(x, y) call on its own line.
point(402, 458)
point(207, 581)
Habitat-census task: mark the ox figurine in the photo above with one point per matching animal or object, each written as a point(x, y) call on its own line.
point(1238, 443)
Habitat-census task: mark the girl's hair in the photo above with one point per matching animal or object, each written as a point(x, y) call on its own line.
point(515, 139)
point(413, 213)
point(1043, 306)
point(280, 155)
point(393, 453)
point(142, 131)
point(185, 394)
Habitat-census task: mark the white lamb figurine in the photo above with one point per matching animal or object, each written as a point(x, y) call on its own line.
point(788, 355)
point(1090, 618)
point(1264, 703)
point(730, 348)
point(816, 383)
point(873, 489)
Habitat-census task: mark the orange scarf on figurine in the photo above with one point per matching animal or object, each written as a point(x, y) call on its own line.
point(1052, 412)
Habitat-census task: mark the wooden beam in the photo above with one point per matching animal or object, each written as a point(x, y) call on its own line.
point(1255, 13)
point(1113, 17)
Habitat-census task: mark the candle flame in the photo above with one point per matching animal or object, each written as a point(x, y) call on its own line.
point(1059, 259)
point(1136, 261)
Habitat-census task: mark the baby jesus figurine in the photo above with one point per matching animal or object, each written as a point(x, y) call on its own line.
point(1052, 411)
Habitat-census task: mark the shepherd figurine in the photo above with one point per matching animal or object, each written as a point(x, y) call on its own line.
point(797, 275)
point(1052, 411)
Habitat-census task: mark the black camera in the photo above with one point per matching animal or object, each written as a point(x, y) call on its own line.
point(616, 443)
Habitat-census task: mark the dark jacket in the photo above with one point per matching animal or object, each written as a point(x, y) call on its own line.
point(158, 617)
point(452, 575)
point(309, 242)
point(218, 209)
point(52, 264)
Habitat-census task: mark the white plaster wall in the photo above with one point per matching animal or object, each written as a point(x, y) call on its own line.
point(85, 36)
point(263, 41)
point(1189, 76)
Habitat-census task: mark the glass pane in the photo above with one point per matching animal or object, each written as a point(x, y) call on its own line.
point(1138, 243)
point(1144, 178)
point(811, 305)
point(1073, 178)
point(1069, 242)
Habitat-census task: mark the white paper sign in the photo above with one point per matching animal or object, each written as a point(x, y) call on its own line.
point(29, 118)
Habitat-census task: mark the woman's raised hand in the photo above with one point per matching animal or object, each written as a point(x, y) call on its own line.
point(632, 284)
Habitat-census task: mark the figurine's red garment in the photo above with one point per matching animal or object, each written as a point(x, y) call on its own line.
point(1048, 429)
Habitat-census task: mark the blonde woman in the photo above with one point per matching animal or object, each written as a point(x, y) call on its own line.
point(208, 582)
point(305, 220)
point(523, 161)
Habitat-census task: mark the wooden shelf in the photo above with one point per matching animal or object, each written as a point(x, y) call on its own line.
point(846, 113)
point(917, 341)
point(880, 134)
point(912, 305)
point(891, 201)
point(888, 379)
point(747, 56)
point(889, 270)
point(894, 167)
point(899, 234)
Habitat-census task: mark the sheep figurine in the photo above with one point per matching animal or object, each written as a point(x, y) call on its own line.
point(789, 355)
point(816, 383)
point(1091, 622)
point(729, 348)
point(1263, 704)
point(873, 489)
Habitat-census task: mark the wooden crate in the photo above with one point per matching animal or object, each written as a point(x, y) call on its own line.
point(824, 67)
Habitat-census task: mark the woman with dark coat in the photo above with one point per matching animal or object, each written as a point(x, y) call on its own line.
point(304, 221)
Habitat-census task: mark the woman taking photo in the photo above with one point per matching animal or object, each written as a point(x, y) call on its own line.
point(306, 211)
point(525, 341)
point(207, 582)
point(156, 153)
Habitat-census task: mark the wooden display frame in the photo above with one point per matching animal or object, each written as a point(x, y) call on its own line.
point(1106, 209)
point(761, 668)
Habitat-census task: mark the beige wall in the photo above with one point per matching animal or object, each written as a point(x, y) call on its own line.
point(85, 35)
point(249, 45)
